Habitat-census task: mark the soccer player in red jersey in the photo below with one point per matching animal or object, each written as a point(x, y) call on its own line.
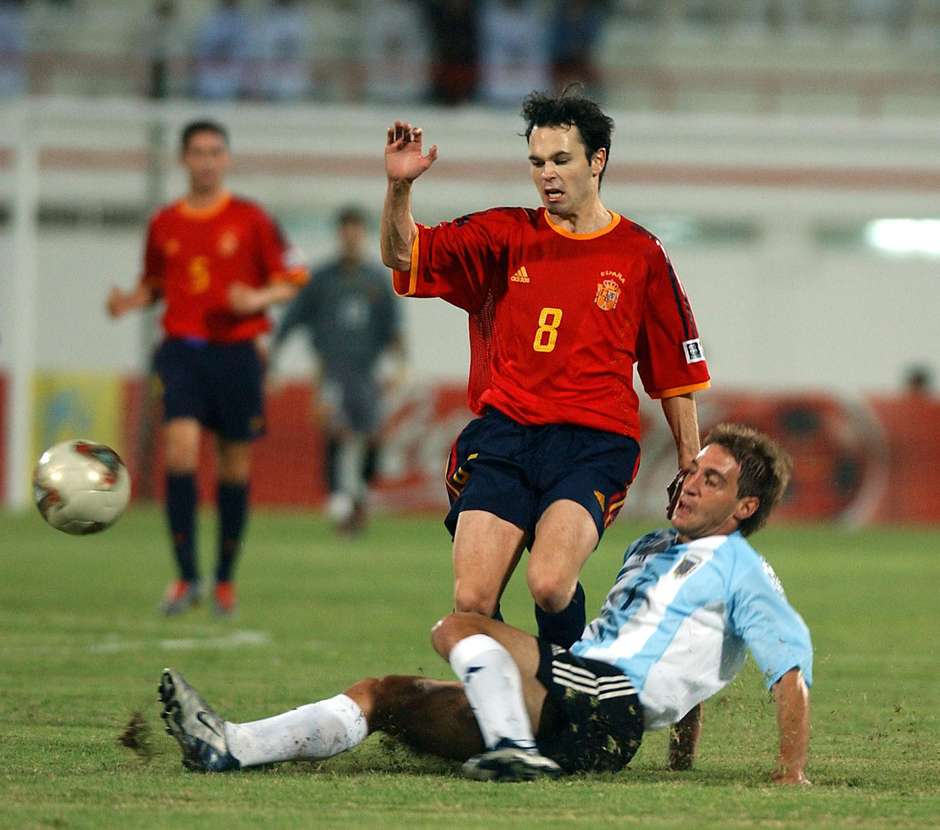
point(564, 301)
point(218, 262)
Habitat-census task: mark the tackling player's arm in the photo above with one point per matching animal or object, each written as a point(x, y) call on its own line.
point(792, 697)
point(404, 162)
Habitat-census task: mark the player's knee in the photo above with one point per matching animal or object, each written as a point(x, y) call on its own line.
point(180, 460)
point(368, 688)
point(452, 629)
point(550, 592)
point(470, 598)
point(444, 635)
point(181, 456)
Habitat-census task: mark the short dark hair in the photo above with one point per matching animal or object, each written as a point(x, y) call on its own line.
point(350, 215)
point(203, 125)
point(570, 109)
point(765, 469)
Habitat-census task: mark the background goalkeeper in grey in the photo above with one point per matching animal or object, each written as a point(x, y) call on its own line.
point(351, 319)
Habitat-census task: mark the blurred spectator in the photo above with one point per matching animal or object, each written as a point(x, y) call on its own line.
point(454, 30)
point(773, 16)
point(162, 43)
point(575, 30)
point(705, 13)
point(12, 48)
point(222, 52)
point(918, 382)
point(396, 51)
point(882, 16)
point(280, 52)
point(514, 51)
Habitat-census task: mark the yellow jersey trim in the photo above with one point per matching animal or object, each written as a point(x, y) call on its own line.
point(412, 273)
point(614, 221)
point(681, 390)
point(207, 212)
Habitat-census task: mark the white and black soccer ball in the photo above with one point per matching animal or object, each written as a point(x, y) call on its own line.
point(81, 486)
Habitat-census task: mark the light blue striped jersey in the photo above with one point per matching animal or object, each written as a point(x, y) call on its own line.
point(680, 615)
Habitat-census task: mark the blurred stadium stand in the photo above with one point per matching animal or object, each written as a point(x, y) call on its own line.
point(853, 56)
point(784, 150)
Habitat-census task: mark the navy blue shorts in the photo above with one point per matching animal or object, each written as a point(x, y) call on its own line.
point(515, 471)
point(218, 384)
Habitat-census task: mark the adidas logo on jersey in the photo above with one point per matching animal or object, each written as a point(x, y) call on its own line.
point(520, 276)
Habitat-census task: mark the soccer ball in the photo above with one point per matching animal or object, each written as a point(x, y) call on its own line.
point(81, 487)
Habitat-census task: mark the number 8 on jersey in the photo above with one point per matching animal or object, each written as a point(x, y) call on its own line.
point(547, 332)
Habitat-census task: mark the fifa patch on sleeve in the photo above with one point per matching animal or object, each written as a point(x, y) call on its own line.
point(693, 350)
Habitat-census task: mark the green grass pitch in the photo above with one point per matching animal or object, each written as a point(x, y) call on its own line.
point(82, 647)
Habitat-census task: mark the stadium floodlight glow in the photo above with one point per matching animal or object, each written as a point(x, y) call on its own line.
point(905, 237)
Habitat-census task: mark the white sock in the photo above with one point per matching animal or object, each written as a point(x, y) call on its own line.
point(352, 452)
point(493, 685)
point(317, 730)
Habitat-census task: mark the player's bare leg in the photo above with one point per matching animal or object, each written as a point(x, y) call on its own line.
point(181, 457)
point(430, 716)
point(234, 461)
point(565, 537)
point(486, 551)
point(181, 445)
point(232, 499)
point(497, 665)
point(522, 647)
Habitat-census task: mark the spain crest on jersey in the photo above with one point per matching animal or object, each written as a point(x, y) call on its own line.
point(608, 293)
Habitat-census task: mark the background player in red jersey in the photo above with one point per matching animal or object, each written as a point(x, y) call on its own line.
point(218, 262)
point(563, 301)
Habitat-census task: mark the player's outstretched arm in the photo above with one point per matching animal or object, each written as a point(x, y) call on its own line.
point(244, 299)
point(404, 162)
point(682, 416)
point(683, 739)
point(792, 698)
point(120, 302)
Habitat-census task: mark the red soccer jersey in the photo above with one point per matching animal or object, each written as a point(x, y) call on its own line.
point(193, 256)
point(558, 320)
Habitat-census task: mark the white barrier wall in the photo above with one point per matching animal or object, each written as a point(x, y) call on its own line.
point(778, 308)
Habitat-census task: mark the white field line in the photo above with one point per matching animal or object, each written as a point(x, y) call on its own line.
point(112, 645)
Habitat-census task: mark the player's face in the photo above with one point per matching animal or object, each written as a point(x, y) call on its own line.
point(566, 181)
point(709, 504)
point(206, 159)
point(351, 238)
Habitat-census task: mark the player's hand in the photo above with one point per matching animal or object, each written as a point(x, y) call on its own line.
point(673, 492)
point(404, 159)
point(116, 303)
point(244, 300)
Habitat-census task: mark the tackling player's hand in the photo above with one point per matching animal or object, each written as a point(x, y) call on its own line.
point(404, 160)
point(673, 491)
